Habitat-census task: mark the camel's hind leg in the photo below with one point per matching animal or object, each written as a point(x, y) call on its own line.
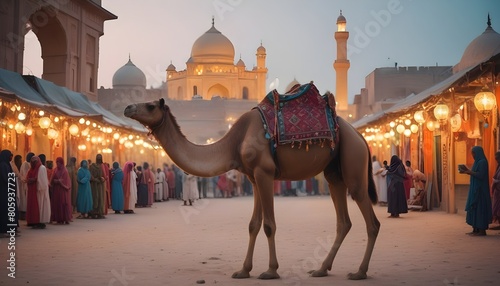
point(372, 228)
point(338, 192)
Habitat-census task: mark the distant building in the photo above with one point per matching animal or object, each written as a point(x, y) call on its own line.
point(386, 86)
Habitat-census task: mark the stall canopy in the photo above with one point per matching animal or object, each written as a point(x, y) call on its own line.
point(59, 100)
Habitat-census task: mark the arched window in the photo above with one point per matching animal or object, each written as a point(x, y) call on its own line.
point(245, 93)
point(195, 90)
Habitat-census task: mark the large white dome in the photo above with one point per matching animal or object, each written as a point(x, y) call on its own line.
point(129, 76)
point(479, 49)
point(213, 47)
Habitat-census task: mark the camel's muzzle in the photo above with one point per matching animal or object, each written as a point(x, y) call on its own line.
point(130, 110)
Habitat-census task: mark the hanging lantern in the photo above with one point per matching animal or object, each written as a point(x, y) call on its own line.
point(19, 127)
point(441, 112)
point(455, 122)
point(407, 122)
point(21, 116)
point(44, 122)
point(485, 101)
point(407, 132)
point(29, 130)
point(73, 129)
point(431, 125)
point(41, 113)
point(52, 133)
point(400, 128)
point(414, 128)
point(116, 136)
point(420, 116)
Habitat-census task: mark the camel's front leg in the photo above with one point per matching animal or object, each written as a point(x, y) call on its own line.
point(265, 185)
point(253, 229)
point(338, 192)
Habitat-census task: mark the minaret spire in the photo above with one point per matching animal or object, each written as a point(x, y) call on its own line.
point(489, 20)
point(213, 21)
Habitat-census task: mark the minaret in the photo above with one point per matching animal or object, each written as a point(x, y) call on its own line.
point(341, 64)
point(261, 73)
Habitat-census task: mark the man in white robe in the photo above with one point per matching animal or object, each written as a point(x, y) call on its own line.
point(23, 190)
point(379, 176)
point(189, 189)
point(159, 185)
point(43, 195)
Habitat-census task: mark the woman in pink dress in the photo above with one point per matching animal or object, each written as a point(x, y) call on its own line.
point(61, 194)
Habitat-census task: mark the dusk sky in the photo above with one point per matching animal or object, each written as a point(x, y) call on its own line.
point(297, 34)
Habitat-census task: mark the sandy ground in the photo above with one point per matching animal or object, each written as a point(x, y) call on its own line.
point(170, 244)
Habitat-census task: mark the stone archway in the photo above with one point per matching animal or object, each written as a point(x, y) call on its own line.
point(217, 90)
point(68, 32)
point(54, 44)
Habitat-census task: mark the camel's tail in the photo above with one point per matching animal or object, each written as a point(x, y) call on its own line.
point(372, 190)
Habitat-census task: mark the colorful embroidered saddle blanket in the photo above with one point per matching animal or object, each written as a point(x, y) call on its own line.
point(299, 117)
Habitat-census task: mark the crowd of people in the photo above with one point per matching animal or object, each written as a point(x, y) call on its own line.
point(47, 194)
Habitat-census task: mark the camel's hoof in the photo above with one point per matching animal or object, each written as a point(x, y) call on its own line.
point(269, 275)
point(241, 274)
point(318, 273)
point(357, 276)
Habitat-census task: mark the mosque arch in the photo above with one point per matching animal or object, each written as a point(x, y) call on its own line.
point(218, 90)
point(52, 37)
point(180, 93)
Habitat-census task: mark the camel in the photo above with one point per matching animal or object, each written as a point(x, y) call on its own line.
point(245, 148)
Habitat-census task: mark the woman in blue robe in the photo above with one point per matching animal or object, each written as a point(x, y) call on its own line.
point(478, 206)
point(117, 199)
point(84, 203)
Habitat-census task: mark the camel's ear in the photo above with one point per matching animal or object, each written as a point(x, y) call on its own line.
point(162, 102)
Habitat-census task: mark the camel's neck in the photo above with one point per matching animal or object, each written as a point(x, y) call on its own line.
point(199, 160)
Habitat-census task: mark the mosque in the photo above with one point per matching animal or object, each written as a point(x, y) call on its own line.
point(210, 73)
point(207, 96)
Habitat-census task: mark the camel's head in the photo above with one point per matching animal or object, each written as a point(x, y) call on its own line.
point(149, 114)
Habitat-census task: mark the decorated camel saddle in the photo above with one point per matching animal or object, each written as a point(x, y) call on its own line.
point(301, 117)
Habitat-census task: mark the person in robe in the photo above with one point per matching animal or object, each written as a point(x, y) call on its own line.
point(408, 181)
point(149, 178)
point(420, 197)
point(61, 193)
point(165, 185)
point(38, 209)
point(478, 205)
point(171, 183)
point(379, 174)
point(7, 191)
point(142, 189)
point(50, 169)
point(159, 185)
point(23, 192)
point(117, 201)
point(495, 189)
point(396, 197)
point(223, 186)
point(84, 202)
point(129, 184)
point(179, 182)
point(189, 189)
point(97, 184)
point(107, 187)
point(71, 167)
